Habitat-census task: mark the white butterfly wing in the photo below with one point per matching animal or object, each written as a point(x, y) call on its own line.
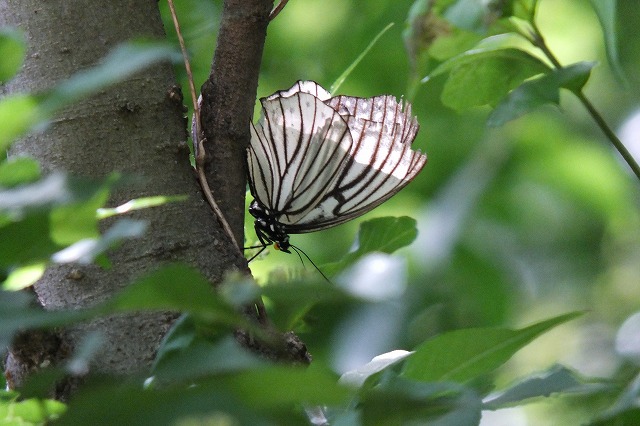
point(297, 151)
point(380, 163)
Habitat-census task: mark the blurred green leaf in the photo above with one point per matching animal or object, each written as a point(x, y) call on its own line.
point(358, 376)
point(116, 402)
point(186, 354)
point(19, 311)
point(18, 113)
point(121, 63)
point(27, 241)
point(12, 51)
point(20, 170)
point(28, 411)
point(540, 91)
point(138, 204)
point(53, 190)
point(382, 234)
point(76, 221)
point(524, 9)
point(174, 287)
point(396, 400)
point(88, 250)
point(463, 355)
point(292, 300)
point(279, 387)
point(606, 11)
point(556, 379)
point(492, 74)
point(24, 276)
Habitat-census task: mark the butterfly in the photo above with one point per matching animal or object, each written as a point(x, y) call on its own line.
point(316, 161)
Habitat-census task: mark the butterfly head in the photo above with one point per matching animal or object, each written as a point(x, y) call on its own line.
point(267, 227)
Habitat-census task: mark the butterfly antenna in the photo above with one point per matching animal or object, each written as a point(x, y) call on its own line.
point(298, 250)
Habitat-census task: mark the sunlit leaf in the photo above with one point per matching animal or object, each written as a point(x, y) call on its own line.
point(23, 276)
point(463, 355)
point(540, 91)
point(12, 51)
point(19, 170)
point(18, 113)
point(138, 204)
point(14, 411)
point(358, 376)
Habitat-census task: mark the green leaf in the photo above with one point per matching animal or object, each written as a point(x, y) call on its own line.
point(121, 63)
point(28, 411)
point(397, 400)
point(117, 403)
point(556, 379)
point(186, 354)
point(19, 170)
point(491, 73)
point(358, 376)
point(76, 221)
point(606, 11)
point(383, 234)
point(26, 241)
point(88, 250)
point(464, 355)
point(19, 311)
point(174, 287)
point(139, 204)
point(24, 276)
point(292, 300)
point(18, 113)
point(541, 91)
point(386, 234)
point(53, 190)
point(281, 387)
point(12, 52)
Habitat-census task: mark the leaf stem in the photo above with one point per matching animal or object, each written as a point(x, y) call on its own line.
point(538, 41)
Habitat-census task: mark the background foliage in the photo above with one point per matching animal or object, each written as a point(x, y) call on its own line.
point(518, 225)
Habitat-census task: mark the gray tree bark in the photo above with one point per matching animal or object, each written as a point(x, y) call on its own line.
point(138, 129)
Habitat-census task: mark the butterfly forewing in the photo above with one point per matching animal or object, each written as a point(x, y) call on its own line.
point(296, 154)
point(316, 161)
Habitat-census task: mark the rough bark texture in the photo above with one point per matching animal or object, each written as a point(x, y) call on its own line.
point(228, 98)
point(137, 128)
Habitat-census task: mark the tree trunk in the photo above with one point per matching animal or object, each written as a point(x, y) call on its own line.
point(137, 128)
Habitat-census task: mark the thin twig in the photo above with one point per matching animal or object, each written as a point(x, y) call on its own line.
point(198, 141)
point(538, 41)
point(276, 10)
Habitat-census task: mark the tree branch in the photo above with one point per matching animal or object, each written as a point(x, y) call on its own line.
point(228, 98)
